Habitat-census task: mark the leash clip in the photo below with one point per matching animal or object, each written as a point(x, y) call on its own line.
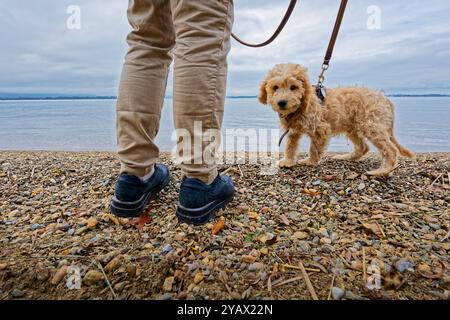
point(320, 89)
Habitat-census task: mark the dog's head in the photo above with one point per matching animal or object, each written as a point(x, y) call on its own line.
point(286, 88)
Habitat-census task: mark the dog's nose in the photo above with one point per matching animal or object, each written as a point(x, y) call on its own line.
point(282, 103)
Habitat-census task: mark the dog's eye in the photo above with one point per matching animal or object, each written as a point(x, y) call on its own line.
point(293, 88)
point(275, 88)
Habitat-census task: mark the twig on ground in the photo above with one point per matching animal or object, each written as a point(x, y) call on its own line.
point(308, 282)
point(107, 280)
point(331, 286)
point(435, 180)
point(364, 265)
point(298, 268)
point(240, 170)
point(446, 237)
point(288, 281)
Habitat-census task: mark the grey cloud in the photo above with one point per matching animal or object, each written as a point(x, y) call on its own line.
point(409, 54)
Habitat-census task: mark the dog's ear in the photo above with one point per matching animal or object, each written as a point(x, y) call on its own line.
point(262, 96)
point(301, 74)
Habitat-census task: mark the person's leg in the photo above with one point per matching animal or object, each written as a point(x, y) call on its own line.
point(203, 30)
point(143, 84)
point(141, 96)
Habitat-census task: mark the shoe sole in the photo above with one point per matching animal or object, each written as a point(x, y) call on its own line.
point(190, 216)
point(133, 212)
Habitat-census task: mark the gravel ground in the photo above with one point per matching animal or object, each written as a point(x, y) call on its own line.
point(328, 232)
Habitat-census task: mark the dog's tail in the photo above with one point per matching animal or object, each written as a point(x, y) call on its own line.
point(403, 151)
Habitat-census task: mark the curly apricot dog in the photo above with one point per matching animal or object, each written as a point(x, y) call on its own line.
point(359, 113)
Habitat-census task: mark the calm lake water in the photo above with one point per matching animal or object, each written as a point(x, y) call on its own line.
point(422, 124)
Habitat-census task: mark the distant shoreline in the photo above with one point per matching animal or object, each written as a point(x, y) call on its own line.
point(24, 98)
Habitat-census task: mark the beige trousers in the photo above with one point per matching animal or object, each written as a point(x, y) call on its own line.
point(197, 34)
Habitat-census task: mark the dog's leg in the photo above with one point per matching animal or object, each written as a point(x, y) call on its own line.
point(317, 148)
point(360, 148)
point(290, 154)
point(389, 154)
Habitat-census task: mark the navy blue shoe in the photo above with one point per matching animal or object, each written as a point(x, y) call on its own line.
point(132, 195)
point(199, 202)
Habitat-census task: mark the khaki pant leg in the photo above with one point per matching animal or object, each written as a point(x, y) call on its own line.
point(203, 29)
point(143, 84)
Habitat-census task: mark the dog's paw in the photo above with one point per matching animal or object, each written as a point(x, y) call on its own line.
point(306, 162)
point(379, 172)
point(286, 163)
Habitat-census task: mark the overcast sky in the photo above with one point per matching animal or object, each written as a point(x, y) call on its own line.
point(410, 53)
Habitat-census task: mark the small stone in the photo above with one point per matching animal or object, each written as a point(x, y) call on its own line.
point(361, 186)
point(59, 275)
point(304, 247)
point(131, 270)
point(36, 226)
point(93, 277)
point(317, 183)
point(166, 296)
point(198, 277)
point(337, 293)
point(300, 235)
point(404, 265)
point(264, 251)
point(325, 241)
point(235, 295)
point(265, 210)
point(328, 248)
point(64, 227)
point(352, 175)
point(324, 232)
point(192, 266)
point(3, 266)
point(167, 248)
point(255, 266)
point(182, 295)
point(113, 265)
point(42, 273)
point(120, 286)
point(168, 283)
point(16, 293)
point(248, 259)
point(71, 232)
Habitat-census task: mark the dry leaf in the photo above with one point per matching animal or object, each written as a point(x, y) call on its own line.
point(284, 220)
point(253, 215)
point(311, 192)
point(374, 228)
point(140, 222)
point(218, 226)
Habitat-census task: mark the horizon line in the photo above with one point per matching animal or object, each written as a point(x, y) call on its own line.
point(95, 97)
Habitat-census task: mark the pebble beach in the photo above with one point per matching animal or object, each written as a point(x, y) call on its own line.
point(328, 232)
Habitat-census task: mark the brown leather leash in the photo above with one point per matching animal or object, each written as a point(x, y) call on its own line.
point(276, 33)
point(320, 89)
